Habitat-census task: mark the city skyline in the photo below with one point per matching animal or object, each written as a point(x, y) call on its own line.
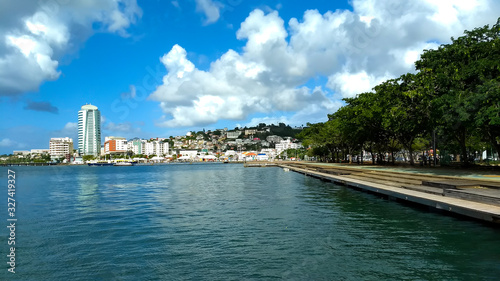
point(165, 68)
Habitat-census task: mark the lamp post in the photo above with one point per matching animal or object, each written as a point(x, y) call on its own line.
point(434, 146)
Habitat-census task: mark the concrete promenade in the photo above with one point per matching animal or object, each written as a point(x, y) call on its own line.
point(470, 194)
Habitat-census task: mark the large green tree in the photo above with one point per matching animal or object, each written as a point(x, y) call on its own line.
point(462, 76)
point(362, 119)
point(406, 114)
point(318, 137)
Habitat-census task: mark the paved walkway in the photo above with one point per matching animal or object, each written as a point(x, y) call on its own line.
point(467, 194)
point(492, 174)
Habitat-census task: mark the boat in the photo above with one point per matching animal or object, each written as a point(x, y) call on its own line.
point(100, 163)
point(124, 162)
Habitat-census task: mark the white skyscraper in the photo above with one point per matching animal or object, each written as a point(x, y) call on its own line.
point(89, 130)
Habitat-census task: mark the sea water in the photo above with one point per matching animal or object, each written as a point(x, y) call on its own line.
point(227, 222)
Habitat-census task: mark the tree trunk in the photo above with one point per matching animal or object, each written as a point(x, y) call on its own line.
point(410, 151)
point(372, 154)
point(465, 158)
point(463, 147)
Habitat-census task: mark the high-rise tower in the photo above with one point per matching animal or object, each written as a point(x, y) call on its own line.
point(89, 130)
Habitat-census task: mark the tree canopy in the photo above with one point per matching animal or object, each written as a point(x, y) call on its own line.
point(454, 92)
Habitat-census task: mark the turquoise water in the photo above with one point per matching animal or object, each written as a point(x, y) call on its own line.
point(226, 222)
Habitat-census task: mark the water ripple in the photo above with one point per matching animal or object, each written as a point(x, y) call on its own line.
point(213, 222)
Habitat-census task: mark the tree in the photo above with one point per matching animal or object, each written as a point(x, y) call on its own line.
point(361, 123)
point(487, 118)
point(88, 157)
point(319, 137)
point(407, 110)
point(460, 75)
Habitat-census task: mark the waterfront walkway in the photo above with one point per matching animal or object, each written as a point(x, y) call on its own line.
point(471, 193)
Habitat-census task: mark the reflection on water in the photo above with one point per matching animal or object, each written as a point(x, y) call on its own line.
point(87, 191)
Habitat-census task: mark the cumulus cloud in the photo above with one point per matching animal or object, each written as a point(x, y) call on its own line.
point(35, 34)
point(236, 84)
point(351, 84)
point(41, 106)
point(352, 51)
point(69, 130)
point(6, 142)
point(210, 9)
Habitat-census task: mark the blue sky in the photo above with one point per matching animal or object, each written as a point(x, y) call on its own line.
point(162, 68)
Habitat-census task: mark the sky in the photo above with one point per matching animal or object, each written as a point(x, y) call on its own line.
point(162, 68)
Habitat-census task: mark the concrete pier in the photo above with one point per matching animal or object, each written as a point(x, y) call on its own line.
point(473, 198)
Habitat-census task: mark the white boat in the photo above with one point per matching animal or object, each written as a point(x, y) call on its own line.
point(123, 164)
point(100, 163)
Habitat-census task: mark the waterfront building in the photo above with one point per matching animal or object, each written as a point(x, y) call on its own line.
point(114, 145)
point(189, 154)
point(149, 148)
point(161, 148)
point(89, 130)
point(136, 146)
point(60, 147)
point(40, 151)
point(21, 153)
point(269, 152)
point(155, 147)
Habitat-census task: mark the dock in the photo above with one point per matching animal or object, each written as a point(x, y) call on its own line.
point(26, 164)
point(259, 164)
point(473, 198)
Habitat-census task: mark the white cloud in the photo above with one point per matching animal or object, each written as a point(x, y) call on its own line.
point(70, 126)
point(276, 69)
point(35, 34)
point(6, 143)
point(69, 130)
point(210, 9)
point(352, 84)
